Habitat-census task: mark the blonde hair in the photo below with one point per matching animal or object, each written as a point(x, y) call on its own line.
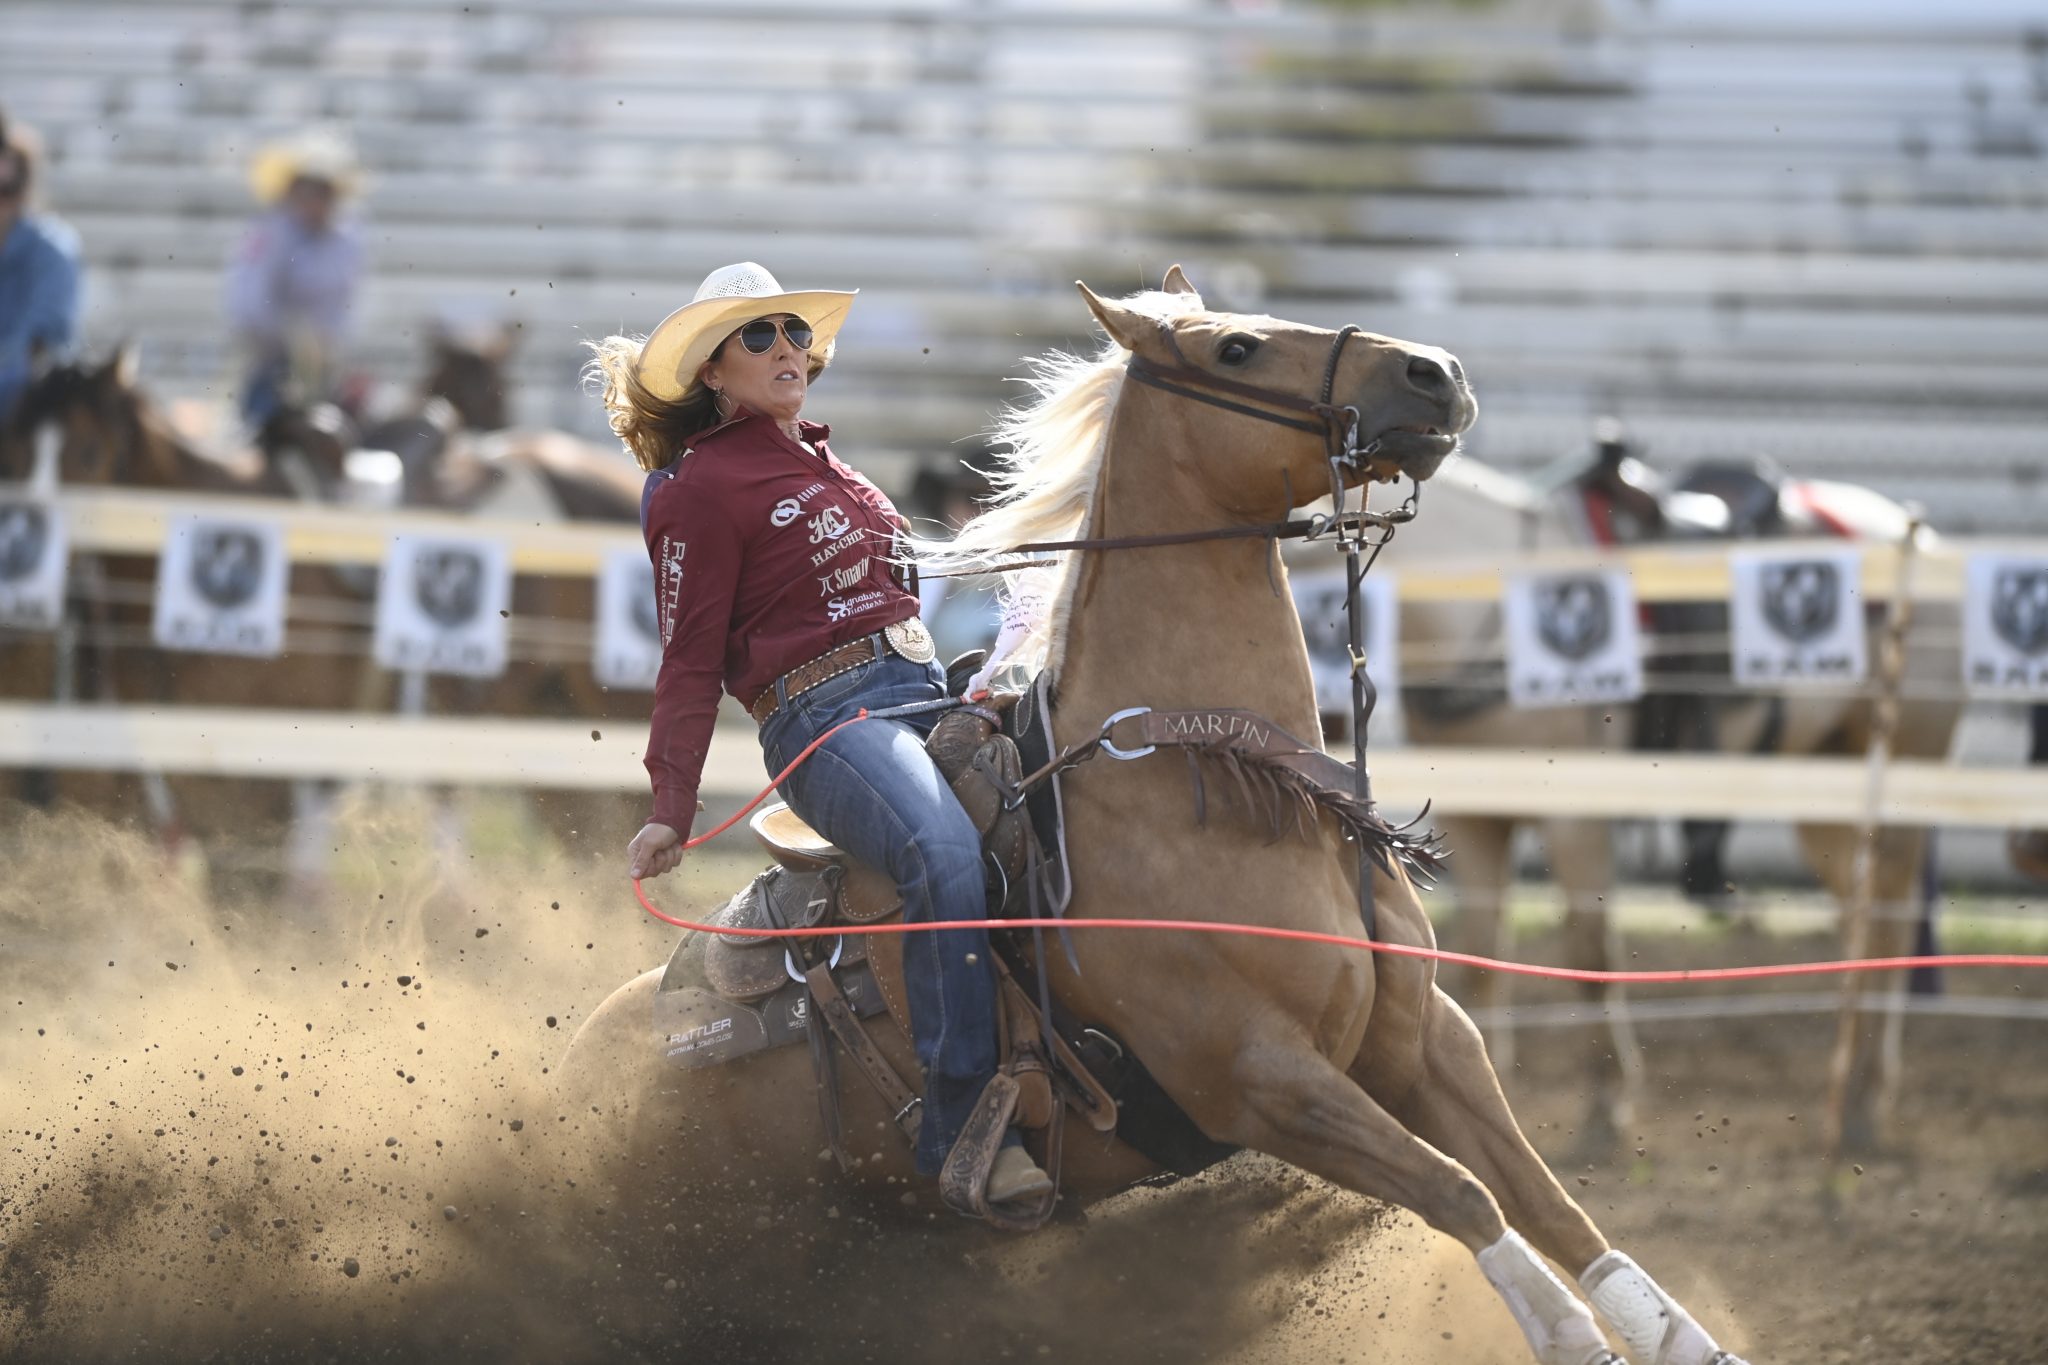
point(655, 429)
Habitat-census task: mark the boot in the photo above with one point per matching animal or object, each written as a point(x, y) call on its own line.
point(1016, 1176)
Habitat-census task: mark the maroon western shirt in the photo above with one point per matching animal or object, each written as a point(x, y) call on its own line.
point(765, 556)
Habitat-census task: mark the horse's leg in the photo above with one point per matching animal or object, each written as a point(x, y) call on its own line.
point(1831, 850)
point(1480, 871)
point(1295, 1104)
point(1447, 1094)
point(1582, 861)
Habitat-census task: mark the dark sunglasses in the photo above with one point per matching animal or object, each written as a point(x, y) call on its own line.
point(758, 336)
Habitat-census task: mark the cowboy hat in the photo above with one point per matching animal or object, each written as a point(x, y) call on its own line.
point(730, 295)
point(316, 154)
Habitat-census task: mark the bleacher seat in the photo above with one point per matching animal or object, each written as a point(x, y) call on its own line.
point(1820, 240)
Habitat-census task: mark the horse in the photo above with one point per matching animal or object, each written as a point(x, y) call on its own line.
point(1356, 1068)
point(101, 429)
point(1454, 694)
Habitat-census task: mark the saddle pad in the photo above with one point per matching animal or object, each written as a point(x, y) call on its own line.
point(699, 1027)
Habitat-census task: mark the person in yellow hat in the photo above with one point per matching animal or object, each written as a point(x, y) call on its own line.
point(292, 282)
point(773, 583)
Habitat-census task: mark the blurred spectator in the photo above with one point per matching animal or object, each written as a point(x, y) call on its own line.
point(292, 283)
point(39, 272)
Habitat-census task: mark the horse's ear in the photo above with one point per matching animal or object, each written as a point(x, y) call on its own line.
point(1125, 327)
point(1177, 282)
point(122, 369)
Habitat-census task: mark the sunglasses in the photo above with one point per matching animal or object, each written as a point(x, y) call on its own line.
point(758, 336)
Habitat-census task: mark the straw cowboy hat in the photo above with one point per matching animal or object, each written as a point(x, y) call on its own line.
point(316, 154)
point(730, 296)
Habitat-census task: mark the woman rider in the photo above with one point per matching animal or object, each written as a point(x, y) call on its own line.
point(772, 581)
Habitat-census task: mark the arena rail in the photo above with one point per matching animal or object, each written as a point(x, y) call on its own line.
point(539, 753)
point(109, 521)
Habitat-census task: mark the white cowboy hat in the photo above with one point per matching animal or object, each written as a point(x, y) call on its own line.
point(730, 296)
point(315, 154)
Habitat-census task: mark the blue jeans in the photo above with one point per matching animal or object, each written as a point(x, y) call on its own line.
point(871, 790)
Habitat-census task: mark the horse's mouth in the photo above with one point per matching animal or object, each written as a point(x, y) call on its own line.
point(1416, 442)
point(1410, 452)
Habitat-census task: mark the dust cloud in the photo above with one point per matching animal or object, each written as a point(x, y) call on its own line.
point(280, 1130)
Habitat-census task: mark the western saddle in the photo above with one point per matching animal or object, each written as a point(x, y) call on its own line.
point(729, 994)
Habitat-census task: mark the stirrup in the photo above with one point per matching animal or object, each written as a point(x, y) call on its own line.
point(963, 1180)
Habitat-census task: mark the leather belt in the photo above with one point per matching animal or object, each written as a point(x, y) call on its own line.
point(908, 638)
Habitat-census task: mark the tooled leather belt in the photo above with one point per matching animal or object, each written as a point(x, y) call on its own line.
point(909, 639)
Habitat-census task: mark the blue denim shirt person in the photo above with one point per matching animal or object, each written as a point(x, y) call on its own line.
point(40, 275)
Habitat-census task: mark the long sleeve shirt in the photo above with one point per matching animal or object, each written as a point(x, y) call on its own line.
point(284, 278)
point(39, 298)
point(766, 555)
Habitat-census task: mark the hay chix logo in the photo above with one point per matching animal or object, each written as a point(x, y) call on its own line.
point(830, 524)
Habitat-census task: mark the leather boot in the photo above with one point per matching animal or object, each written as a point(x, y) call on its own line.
point(1016, 1176)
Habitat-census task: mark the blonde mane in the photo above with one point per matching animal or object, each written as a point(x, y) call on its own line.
point(1048, 452)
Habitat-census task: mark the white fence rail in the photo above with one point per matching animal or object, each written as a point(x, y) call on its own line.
point(541, 753)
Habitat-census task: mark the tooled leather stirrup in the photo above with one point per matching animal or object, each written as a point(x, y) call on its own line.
point(963, 1180)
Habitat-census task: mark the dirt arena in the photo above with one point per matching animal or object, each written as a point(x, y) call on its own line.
point(279, 1132)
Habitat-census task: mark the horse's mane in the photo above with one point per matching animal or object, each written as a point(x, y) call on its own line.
point(72, 384)
point(1048, 452)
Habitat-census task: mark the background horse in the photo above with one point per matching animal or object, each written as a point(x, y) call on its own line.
point(1453, 690)
point(104, 431)
point(1353, 1067)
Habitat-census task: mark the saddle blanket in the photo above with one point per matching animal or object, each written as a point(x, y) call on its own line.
point(700, 1028)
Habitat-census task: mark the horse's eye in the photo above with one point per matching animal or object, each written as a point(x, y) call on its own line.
point(1237, 349)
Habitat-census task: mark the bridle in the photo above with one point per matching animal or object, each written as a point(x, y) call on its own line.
point(1337, 425)
point(1355, 530)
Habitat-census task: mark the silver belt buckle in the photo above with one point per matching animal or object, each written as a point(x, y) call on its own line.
point(911, 640)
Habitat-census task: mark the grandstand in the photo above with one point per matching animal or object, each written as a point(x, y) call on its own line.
point(1739, 228)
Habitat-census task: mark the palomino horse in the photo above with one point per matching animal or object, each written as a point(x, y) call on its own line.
point(1351, 1066)
point(102, 430)
point(1454, 694)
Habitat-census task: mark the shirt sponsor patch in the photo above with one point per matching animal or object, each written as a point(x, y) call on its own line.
point(830, 524)
point(839, 608)
point(789, 509)
point(670, 588)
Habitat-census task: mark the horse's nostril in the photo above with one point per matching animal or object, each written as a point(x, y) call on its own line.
point(1427, 374)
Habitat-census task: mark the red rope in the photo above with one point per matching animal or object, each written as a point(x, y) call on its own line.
point(1873, 964)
